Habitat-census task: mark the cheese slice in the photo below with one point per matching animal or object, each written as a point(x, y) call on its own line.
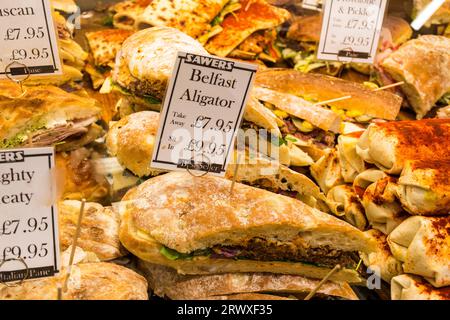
point(192, 17)
point(254, 15)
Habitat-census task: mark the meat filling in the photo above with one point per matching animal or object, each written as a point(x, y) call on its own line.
point(273, 250)
point(60, 133)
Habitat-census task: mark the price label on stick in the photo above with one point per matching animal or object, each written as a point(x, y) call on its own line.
point(29, 237)
point(28, 38)
point(351, 30)
point(202, 111)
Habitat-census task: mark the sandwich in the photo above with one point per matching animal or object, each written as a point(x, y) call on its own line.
point(99, 231)
point(303, 37)
point(424, 188)
point(73, 57)
point(65, 6)
point(441, 16)
point(131, 141)
point(389, 145)
point(193, 17)
point(344, 203)
point(422, 244)
point(167, 283)
point(383, 211)
point(125, 14)
point(247, 31)
point(104, 46)
point(88, 281)
point(289, 102)
point(259, 170)
point(423, 64)
point(194, 225)
point(78, 178)
point(144, 64)
point(381, 260)
point(410, 287)
point(318, 88)
point(46, 116)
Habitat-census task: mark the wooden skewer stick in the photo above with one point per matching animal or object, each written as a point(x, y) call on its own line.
point(358, 265)
point(74, 243)
point(59, 293)
point(390, 86)
point(235, 174)
point(312, 293)
point(320, 103)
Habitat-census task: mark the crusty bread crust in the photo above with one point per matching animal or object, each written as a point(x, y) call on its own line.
point(99, 229)
point(144, 64)
point(166, 282)
point(185, 213)
point(424, 65)
point(131, 140)
point(88, 281)
point(144, 247)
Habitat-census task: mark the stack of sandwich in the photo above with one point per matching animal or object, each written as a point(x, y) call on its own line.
point(93, 274)
point(195, 240)
point(73, 57)
point(244, 29)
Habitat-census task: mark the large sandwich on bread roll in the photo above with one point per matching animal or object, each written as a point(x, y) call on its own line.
point(46, 116)
point(195, 226)
point(423, 64)
point(166, 282)
point(144, 64)
point(389, 145)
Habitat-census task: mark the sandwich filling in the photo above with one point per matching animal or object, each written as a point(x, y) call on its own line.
point(39, 134)
point(261, 249)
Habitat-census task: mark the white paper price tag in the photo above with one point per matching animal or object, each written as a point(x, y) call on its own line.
point(28, 37)
point(29, 236)
point(351, 30)
point(202, 111)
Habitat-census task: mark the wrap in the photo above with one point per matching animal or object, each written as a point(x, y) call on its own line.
point(423, 245)
point(383, 211)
